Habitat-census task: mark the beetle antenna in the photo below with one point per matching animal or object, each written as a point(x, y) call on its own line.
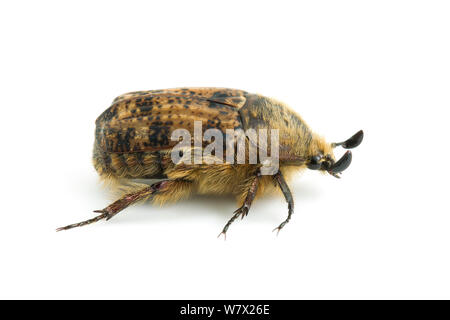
point(342, 164)
point(351, 142)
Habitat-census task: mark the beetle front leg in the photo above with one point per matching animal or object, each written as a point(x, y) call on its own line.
point(243, 210)
point(288, 196)
point(117, 206)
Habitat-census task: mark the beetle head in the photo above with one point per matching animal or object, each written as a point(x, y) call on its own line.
point(322, 157)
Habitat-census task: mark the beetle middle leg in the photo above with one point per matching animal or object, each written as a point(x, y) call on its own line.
point(288, 196)
point(164, 190)
point(243, 210)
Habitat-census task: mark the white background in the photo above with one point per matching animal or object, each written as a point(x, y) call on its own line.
point(382, 231)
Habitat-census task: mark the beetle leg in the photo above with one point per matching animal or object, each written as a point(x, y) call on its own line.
point(243, 210)
point(131, 198)
point(288, 196)
point(117, 206)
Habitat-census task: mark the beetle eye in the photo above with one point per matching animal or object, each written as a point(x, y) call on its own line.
point(314, 163)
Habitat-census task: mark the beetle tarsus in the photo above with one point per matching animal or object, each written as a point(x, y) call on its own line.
point(289, 199)
point(224, 235)
point(242, 212)
point(83, 223)
point(244, 209)
point(291, 211)
point(236, 215)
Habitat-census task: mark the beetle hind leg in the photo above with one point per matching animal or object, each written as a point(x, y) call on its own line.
point(161, 191)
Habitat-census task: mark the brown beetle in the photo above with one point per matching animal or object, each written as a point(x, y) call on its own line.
point(133, 141)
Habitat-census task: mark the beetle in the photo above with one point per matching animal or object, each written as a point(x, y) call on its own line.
point(133, 141)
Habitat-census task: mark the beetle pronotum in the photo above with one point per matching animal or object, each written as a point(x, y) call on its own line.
point(133, 141)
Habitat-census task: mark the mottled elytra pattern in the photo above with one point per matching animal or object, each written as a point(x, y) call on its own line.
point(144, 120)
